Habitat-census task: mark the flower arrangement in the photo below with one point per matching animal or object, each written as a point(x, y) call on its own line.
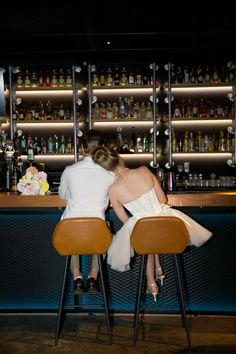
point(34, 182)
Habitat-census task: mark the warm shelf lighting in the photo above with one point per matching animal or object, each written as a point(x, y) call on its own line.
point(123, 123)
point(31, 93)
point(123, 91)
point(202, 122)
point(50, 157)
point(202, 155)
point(145, 156)
point(203, 89)
point(45, 124)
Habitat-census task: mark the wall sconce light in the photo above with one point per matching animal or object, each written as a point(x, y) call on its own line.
point(94, 99)
point(152, 65)
point(151, 99)
point(167, 99)
point(77, 69)
point(15, 69)
point(79, 101)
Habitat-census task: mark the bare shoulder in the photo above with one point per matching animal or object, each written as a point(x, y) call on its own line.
point(143, 169)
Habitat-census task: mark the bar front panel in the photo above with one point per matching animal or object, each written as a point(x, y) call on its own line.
point(32, 271)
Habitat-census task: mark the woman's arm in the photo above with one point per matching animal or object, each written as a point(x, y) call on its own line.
point(118, 207)
point(159, 191)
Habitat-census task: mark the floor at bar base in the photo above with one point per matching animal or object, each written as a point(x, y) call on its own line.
point(85, 333)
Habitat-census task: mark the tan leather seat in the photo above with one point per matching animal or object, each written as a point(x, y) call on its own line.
point(163, 235)
point(81, 236)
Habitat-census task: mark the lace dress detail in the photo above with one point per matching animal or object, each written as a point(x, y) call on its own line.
point(147, 204)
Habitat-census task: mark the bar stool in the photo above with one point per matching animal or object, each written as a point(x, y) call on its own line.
point(160, 235)
point(81, 236)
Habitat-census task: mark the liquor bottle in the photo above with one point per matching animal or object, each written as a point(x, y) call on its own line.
point(173, 74)
point(61, 79)
point(95, 80)
point(14, 178)
point(61, 112)
point(109, 112)
point(149, 111)
point(68, 78)
point(139, 80)
point(34, 82)
point(215, 75)
point(43, 145)
point(186, 79)
point(146, 143)
point(200, 77)
point(207, 77)
point(96, 112)
point(186, 142)
point(179, 75)
point(23, 143)
point(48, 110)
point(50, 145)
point(173, 141)
point(122, 109)
point(102, 78)
point(8, 174)
point(123, 78)
point(191, 143)
point(27, 80)
point(55, 144)
point(117, 77)
point(30, 153)
point(54, 80)
point(41, 79)
point(62, 145)
point(131, 79)
point(69, 146)
point(41, 111)
point(47, 79)
point(19, 80)
point(109, 79)
point(115, 110)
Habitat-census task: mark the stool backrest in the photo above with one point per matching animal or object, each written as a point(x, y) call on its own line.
point(159, 234)
point(73, 236)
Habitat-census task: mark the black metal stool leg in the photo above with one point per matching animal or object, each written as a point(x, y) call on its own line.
point(106, 306)
point(181, 298)
point(138, 299)
point(62, 299)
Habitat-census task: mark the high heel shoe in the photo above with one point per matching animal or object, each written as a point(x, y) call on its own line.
point(160, 276)
point(152, 289)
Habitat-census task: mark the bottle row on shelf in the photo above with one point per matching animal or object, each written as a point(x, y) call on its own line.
point(202, 109)
point(43, 111)
point(184, 74)
point(34, 146)
point(124, 108)
point(117, 76)
point(44, 79)
point(189, 141)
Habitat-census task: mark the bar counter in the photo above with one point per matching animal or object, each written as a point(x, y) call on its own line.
point(31, 271)
point(199, 199)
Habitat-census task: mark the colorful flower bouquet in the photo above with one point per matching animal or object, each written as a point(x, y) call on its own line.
point(34, 182)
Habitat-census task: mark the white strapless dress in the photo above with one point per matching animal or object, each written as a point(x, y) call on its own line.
point(147, 204)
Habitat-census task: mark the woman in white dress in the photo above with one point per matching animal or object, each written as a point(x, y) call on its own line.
point(138, 191)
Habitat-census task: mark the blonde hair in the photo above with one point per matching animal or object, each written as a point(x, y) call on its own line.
point(106, 158)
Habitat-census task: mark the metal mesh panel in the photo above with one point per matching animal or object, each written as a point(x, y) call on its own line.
point(32, 271)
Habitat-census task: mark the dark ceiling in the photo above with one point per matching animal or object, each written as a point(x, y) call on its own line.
point(177, 31)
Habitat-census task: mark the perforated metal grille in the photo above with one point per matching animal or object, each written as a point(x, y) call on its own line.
point(32, 272)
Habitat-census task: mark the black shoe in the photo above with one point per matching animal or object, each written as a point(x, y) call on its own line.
point(79, 285)
point(91, 286)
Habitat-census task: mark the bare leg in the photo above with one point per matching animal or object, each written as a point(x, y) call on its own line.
point(75, 267)
point(159, 271)
point(94, 267)
point(151, 284)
